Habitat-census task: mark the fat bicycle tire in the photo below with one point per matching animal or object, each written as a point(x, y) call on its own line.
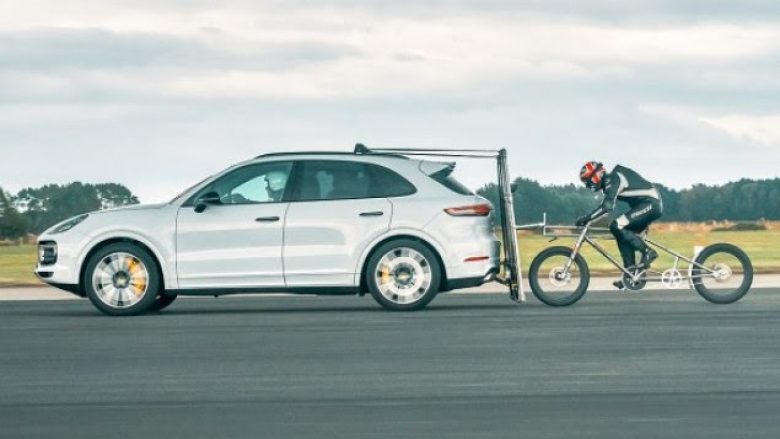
point(534, 273)
point(737, 293)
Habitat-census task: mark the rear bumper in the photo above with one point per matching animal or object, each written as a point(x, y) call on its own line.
point(475, 259)
point(469, 282)
point(468, 274)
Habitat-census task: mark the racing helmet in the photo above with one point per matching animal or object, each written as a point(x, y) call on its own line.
point(592, 175)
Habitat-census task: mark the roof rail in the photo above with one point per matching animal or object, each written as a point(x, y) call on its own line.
point(277, 154)
point(358, 151)
point(472, 153)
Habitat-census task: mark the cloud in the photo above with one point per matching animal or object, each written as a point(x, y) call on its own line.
point(381, 57)
point(91, 49)
point(77, 12)
point(763, 129)
point(173, 90)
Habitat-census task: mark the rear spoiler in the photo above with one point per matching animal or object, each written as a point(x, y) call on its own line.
point(430, 168)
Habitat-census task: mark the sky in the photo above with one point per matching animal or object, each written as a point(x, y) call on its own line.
point(157, 94)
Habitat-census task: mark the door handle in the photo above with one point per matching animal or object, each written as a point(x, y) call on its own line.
point(267, 219)
point(375, 213)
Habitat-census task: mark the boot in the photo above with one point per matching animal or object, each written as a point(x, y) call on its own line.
point(627, 253)
point(648, 256)
point(619, 285)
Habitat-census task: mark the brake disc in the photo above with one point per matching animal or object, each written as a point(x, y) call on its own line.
point(722, 272)
point(671, 279)
point(558, 279)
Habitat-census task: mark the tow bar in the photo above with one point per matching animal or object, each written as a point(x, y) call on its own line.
point(512, 275)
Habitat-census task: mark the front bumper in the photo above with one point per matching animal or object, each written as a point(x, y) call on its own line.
point(62, 273)
point(71, 288)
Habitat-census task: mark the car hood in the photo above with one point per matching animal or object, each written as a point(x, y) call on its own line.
point(132, 207)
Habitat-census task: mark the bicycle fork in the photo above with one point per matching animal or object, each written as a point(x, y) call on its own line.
point(576, 250)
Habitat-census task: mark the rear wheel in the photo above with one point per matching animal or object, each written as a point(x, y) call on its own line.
point(728, 275)
point(403, 275)
point(122, 279)
point(552, 284)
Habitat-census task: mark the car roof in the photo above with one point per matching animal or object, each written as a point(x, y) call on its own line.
point(332, 153)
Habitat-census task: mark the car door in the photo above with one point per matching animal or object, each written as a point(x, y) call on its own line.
point(236, 241)
point(331, 219)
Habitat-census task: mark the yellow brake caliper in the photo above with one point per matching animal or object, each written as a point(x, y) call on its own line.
point(385, 278)
point(139, 283)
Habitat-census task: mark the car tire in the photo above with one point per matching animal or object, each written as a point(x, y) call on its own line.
point(403, 275)
point(122, 279)
point(162, 302)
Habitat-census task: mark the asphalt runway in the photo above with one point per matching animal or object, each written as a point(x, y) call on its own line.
point(616, 365)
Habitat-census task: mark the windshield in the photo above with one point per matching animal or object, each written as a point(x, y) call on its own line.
point(186, 191)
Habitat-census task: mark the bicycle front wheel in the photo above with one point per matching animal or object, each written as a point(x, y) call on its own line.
point(727, 274)
point(552, 283)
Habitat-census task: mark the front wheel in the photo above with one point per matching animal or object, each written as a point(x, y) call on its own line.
point(552, 283)
point(724, 273)
point(122, 279)
point(162, 302)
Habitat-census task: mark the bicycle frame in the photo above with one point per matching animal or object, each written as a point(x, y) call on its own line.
point(584, 237)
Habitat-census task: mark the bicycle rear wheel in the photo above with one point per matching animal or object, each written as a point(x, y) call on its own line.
point(729, 273)
point(554, 286)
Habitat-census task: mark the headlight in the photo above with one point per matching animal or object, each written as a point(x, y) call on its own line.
point(68, 224)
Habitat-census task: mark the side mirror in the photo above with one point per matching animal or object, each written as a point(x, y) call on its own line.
point(204, 200)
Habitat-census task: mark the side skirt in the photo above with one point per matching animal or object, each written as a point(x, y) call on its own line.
point(320, 291)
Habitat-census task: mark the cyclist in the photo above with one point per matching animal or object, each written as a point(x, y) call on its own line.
point(646, 206)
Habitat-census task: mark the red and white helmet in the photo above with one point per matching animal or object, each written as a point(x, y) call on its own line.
point(592, 174)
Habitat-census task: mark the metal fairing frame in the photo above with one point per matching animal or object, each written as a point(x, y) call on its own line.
point(512, 276)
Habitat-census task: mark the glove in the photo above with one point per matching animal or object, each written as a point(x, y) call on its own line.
point(581, 221)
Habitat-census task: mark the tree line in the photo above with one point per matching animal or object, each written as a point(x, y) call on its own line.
point(34, 210)
point(743, 200)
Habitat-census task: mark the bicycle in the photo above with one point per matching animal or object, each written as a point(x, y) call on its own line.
point(559, 276)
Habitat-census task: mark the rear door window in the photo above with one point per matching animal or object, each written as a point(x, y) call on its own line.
point(332, 180)
point(344, 180)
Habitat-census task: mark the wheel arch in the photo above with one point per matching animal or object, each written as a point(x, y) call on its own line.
point(363, 286)
point(114, 240)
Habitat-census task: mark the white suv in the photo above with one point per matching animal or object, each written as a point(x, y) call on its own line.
point(314, 223)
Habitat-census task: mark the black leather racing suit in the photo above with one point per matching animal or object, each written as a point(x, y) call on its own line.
point(624, 184)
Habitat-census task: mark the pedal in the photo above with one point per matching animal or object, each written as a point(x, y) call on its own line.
point(635, 282)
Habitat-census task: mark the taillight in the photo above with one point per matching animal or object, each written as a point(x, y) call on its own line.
point(471, 210)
